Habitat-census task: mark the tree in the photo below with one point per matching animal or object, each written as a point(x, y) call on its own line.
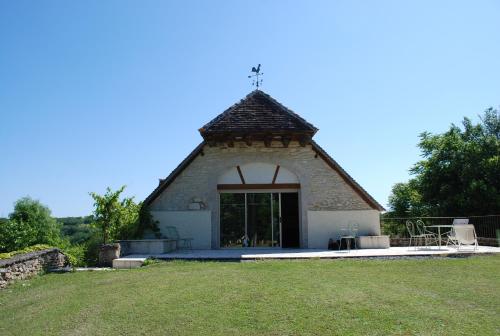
point(77, 230)
point(406, 201)
point(459, 173)
point(107, 209)
point(30, 223)
point(120, 219)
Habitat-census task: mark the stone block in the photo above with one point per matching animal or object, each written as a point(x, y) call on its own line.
point(128, 263)
point(373, 242)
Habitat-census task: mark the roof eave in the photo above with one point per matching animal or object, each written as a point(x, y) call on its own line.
point(173, 175)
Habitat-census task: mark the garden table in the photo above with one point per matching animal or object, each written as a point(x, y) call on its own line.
point(439, 231)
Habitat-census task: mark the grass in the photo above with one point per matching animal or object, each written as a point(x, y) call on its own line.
point(312, 297)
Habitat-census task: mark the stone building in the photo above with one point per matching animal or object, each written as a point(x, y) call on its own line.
point(258, 179)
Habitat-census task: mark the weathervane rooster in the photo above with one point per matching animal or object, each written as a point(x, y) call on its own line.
point(256, 80)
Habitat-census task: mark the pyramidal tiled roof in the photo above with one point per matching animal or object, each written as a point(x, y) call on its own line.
point(258, 112)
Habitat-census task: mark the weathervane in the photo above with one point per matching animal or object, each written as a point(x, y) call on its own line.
point(256, 80)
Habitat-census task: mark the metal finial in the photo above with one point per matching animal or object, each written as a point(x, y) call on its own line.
point(257, 81)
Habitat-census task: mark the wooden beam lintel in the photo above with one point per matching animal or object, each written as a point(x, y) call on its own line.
point(258, 186)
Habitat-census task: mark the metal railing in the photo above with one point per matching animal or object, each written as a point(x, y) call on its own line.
point(486, 226)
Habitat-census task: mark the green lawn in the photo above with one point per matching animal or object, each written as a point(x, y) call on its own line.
point(312, 297)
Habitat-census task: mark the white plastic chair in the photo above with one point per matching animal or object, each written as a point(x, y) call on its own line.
point(460, 221)
point(464, 234)
point(451, 234)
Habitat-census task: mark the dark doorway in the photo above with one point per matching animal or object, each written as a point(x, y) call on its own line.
point(290, 220)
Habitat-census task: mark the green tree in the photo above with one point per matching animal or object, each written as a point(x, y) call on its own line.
point(406, 201)
point(120, 219)
point(107, 210)
point(459, 173)
point(30, 223)
point(77, 230)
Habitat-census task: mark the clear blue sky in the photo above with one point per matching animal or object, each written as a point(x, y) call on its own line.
point(105, 93)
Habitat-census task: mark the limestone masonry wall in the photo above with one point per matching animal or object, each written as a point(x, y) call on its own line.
point(321, 188)
point(24, 266)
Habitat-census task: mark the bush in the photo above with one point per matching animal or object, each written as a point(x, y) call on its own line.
point(117, 218)
point(38, 247)
point(76, 255)
point(29, 224)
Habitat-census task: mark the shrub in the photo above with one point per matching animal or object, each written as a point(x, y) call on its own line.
point(29, 224)
point(38, 247)
point(117, 218)
point(76, 255)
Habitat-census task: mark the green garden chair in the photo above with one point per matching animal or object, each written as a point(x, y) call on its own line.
point(182, 243)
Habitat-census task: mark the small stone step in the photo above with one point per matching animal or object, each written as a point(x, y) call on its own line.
point(127, 263)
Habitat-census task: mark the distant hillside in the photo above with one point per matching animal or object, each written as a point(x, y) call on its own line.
point(76, 229)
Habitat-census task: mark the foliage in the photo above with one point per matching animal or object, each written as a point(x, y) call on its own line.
point(76, 255)
point(146, 223)
point(120, 219)
point(91, 257)
point(107, 212)
point(405, 200)
point(459, 173)
point(34, 248)
point(30, 223)
point(151, 261)
point(434, 296)
point(78, 237)
point(77, 229)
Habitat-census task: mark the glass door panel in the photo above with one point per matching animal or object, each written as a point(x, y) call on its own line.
point(259, 229)
point(232, 220)
point(250, 220)
point(276, 220)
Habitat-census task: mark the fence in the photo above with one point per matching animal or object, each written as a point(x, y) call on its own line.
point(486, 226)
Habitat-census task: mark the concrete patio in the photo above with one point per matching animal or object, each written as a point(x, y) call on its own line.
point(136, 260)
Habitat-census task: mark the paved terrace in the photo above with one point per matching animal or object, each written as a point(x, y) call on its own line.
point(135, 260)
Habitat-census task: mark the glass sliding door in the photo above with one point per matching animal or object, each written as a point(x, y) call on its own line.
point(259, 229)
point(250, 220)
point(276, 225)
point(232, 220)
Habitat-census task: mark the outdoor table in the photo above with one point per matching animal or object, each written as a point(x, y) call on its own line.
point(439, 231)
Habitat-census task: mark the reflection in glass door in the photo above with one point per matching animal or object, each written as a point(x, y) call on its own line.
point(259, 229)
point(250, 220)
point(232, 219)
point(276, 219)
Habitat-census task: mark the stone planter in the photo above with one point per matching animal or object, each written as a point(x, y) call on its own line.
point(373, 242)
point(108, 253)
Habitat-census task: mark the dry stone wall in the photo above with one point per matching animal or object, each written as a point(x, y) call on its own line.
point(24, 266)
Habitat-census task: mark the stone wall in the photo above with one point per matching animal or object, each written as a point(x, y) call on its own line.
point(321, 188)
point(24, 266)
